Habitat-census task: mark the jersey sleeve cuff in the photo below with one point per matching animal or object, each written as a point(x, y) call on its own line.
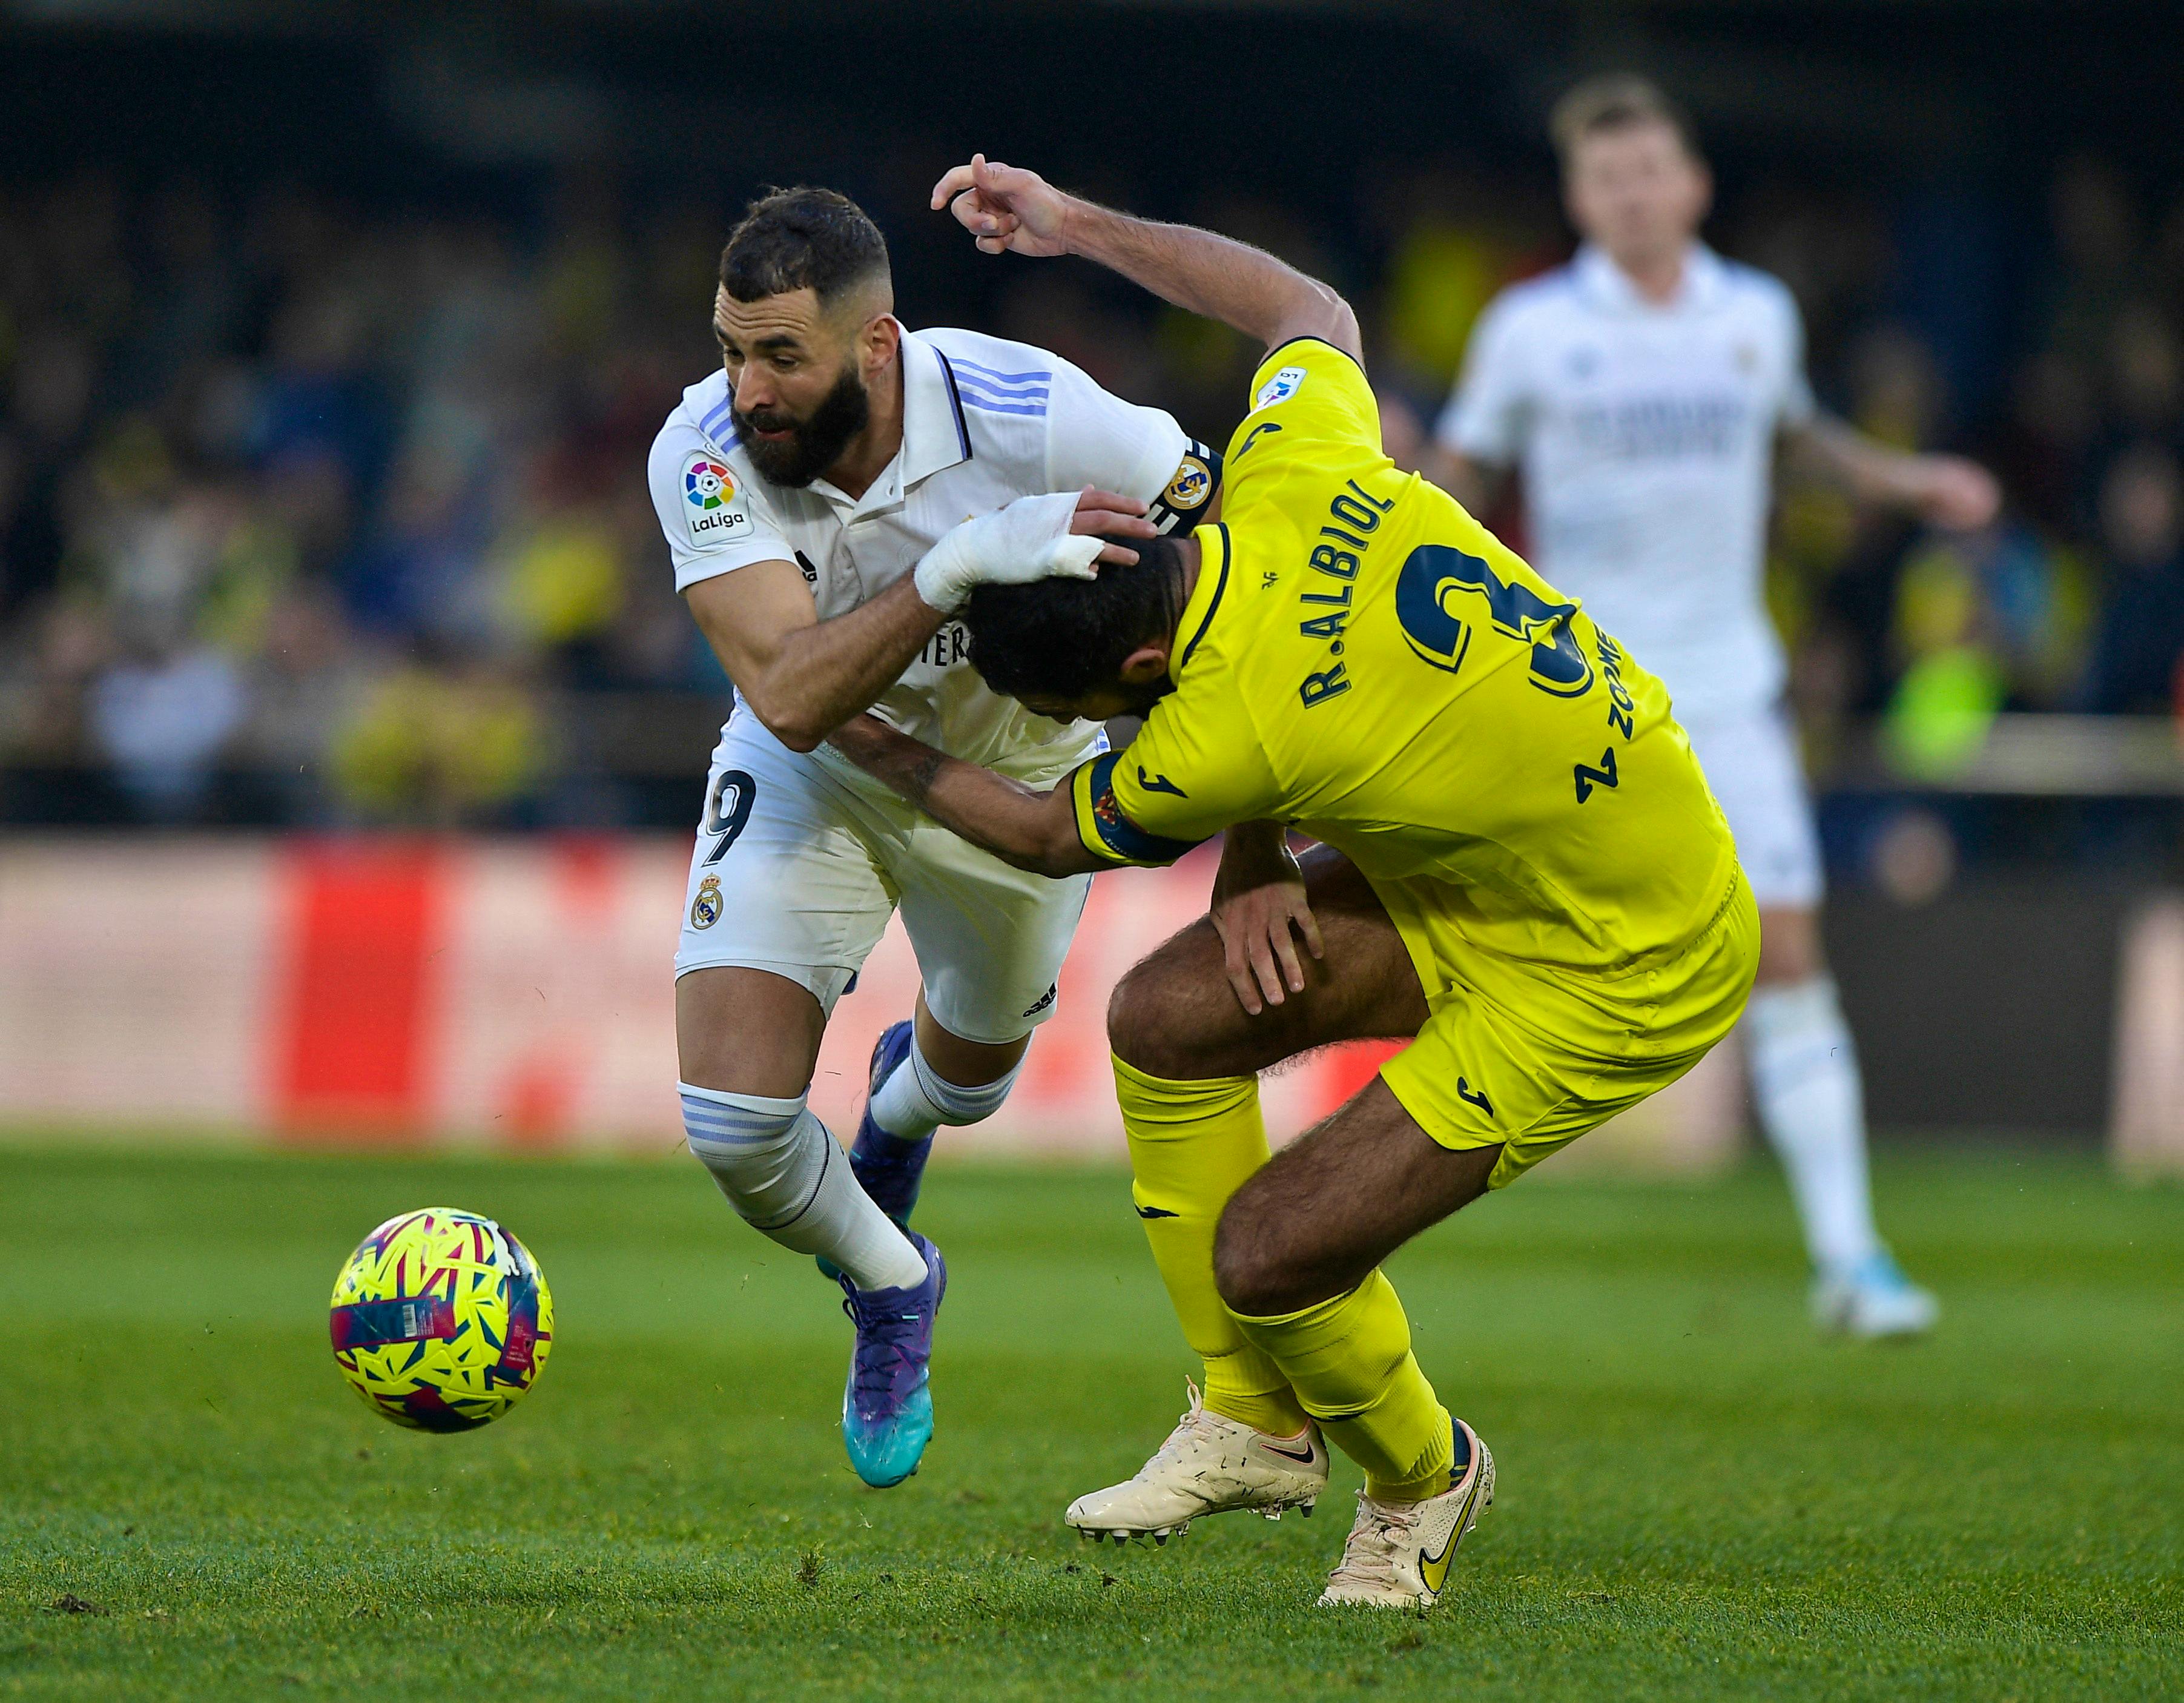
point(1311, 337)
point(1106, 831)
point(692, 566)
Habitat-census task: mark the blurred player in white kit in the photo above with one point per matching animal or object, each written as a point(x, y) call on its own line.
point(804, 488)
point(1642, 389)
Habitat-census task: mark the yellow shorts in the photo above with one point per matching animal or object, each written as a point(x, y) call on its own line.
point(1520, 1055)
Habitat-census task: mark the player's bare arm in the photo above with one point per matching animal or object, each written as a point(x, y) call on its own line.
point(1260, 910)
point(1947, 490)
point(804, 677)
point(1010, 210)
point(1019, 824)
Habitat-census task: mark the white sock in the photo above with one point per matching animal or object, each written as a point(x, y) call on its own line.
point(789, 1178)
point(917, 1099)
point(1804, 1076)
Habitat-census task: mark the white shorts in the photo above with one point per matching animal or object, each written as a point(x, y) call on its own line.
point(801, 860)
point(1749, 756)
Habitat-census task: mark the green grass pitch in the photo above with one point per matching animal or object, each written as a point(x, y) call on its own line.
point(1698, 1497)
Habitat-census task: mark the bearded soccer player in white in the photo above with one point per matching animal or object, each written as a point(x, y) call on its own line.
point(805, 490)
point(1642, 389)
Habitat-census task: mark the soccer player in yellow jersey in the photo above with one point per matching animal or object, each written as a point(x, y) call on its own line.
point(1520, 865)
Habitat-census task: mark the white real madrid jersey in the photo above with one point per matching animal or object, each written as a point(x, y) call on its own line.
point(1646, 433)
point(984, 422)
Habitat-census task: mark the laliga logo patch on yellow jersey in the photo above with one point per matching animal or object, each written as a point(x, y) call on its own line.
point(1280, 387)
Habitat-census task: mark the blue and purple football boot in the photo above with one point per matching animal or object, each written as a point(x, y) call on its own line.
point(886, 1408)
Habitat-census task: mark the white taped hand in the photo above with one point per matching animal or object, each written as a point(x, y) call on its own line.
point(1030, 540)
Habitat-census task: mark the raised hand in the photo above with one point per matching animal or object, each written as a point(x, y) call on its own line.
point(1007, 208)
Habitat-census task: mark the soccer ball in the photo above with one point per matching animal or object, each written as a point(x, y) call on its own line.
point(441, 1319)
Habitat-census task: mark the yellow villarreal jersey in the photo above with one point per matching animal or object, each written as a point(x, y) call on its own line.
point(1362, 659)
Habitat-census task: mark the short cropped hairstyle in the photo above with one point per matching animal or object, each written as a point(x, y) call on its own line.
point(1616, 101)
point(1064, 638)
point(802, 239)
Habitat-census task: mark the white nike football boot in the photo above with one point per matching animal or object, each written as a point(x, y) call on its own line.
point(1209, 1464)
point(1873, 1299)
point(1399, 1552)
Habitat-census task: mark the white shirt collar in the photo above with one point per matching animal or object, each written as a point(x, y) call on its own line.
point(934, 434)
point(1608, 286)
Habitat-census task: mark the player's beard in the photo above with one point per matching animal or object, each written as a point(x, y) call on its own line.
point(813, 445)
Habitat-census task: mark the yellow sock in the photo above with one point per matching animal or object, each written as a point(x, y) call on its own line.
point(1349, 1362)
point(1191, 1146)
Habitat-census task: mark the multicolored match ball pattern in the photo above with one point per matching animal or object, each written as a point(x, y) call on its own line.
point(441, 1319)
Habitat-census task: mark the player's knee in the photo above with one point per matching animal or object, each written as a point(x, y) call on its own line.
point(1146, 1025)
point(956, 1104)
point(757, 1149)
point(1127, 1032)
point(1248, 1267)
point(1129, 1028)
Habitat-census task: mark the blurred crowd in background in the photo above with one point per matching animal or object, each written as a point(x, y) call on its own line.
point(310, 515)
point(313, 515)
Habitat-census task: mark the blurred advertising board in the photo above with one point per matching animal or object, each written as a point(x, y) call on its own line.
point(516, 993)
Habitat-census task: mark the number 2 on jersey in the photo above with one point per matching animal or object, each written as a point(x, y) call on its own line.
point(1588, 777)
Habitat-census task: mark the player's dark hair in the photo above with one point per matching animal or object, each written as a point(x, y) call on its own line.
point(802, 239)
point(1616, 101)
point(1064, 638)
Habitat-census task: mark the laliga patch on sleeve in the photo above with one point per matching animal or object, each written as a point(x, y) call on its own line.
point(717, 513)
point(1280, 387)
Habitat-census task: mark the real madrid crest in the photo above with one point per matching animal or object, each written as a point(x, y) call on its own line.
point(1191, 485)
point(705, 909)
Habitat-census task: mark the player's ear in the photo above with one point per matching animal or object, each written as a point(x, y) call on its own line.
point(1144, 665)
point(878, 343)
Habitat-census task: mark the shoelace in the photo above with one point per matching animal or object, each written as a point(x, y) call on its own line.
point(879, 1354)
point(1193, 1424)
point(1375, 1541)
